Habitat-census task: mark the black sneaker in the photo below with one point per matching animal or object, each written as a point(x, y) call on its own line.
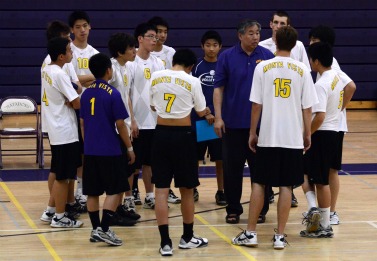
point(294, 203)
point(220, 198)
point(136, 194)
point(271, 198)
point(130, 213)
point(118, 220)
point(71, 212)
point(196, 194)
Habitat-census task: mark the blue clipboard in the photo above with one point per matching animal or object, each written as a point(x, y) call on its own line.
point(204, 131)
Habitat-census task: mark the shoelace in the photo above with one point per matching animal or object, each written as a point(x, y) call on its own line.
point(285, 236)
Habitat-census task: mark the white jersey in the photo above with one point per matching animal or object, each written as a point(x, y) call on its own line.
point(330, 95)
point(59, 120)
point(81, 58)
point(140, 75)
point(68, 68)
point(284, 87)
point(166, 55)
point(298, 52)
point(175, 93)
point(345, 79)
point(121, 82)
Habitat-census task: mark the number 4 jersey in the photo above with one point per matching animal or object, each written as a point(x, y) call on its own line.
point(284, 87)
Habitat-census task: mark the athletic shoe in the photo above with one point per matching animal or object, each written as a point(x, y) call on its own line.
point(220, 198)
point(319, 233)
point(93, 238)
point(271, 198)
point(80, 198)
point(246, 238)
point(47, 216)
point(279, 241)
point(149, 203)
point(108, 237)
point(334, 219)
point(166, 250)
point(119, 220)
point(196, 194)
point(311, 220)
point(195, 242)
point(73, 211)
point(172, 198)
point(127, 212)
point(136, 194)
point(65, 222)
point(294, 202)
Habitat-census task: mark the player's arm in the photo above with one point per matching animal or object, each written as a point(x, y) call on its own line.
point(256, 110)
point(86, 80)
point(75, 103)
point(124, 135)
point(217, 103)
point(317, 121)
point(82, 128)
point(349, 90)
point(307, 118)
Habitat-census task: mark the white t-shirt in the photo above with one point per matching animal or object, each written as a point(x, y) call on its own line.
point(345, 80)
point(59, 119)
point(140, 74)
point(298, 52)
point(175, 93)
point(166, 55)
point(81, 58)
point(330, 92)
point(284, 87)
point(68, 68)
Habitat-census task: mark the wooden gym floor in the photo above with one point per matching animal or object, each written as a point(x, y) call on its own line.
point(24, 237)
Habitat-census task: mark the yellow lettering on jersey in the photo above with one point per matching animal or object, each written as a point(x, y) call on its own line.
point(296, 68)
point(163, 79)
point(272, 66)
point(334, 82)
point(183, 83)
point(105, 87)
point(125, 80)
point(47, 78)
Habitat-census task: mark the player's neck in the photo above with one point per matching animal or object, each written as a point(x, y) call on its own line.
point(283, 53)
point(179, 67)
point(58, 63)
point(322, 69)
point(158, 47)
point(143, 53)
point(210, 59)
point(80, 44)
point(121, 61)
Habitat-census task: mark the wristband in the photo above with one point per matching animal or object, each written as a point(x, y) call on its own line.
point(130, 149)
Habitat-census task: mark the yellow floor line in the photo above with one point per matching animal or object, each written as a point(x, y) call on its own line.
point(222, 236)
point(42, 238)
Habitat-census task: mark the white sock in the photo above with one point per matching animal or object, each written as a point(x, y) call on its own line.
point(332, 213)
point(59, 215)
point(79, 183)
point(51, 209)
point(311, 198)
point(149, 195)
point(325, 217)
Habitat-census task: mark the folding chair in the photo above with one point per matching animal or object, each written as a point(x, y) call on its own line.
point(14, 127)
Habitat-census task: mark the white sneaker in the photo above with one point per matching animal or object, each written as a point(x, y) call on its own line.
point(312, 220)
point(246, 238)
point(65, 222)
point(82, 199)
point(195, 242)
point(108, 237)
point(166, 250)
point(334, 219)
point(172, 198)
point(47, 216)
point(149, 203)
point(279, 241)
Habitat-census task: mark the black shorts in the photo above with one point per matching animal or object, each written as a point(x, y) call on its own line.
point(104, 174)
point(127, 169)
point(279, 167)
point(65, 159)
point(214, 149)
point(339, 152)
point(174, 155)
point(321, 156)
point(142, 148)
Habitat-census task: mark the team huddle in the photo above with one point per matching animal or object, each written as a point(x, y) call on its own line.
point(108, 119)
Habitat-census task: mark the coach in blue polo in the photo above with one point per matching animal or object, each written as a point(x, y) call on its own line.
point(233, 78)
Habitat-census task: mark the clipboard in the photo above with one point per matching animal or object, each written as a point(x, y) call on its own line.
point(204, 131)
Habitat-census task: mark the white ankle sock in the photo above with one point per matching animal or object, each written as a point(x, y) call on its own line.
point(311, 198)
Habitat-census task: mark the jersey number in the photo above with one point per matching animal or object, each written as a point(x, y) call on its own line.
point(282, 87)
point(83, 63)
point(170, 98)
point(147, 73)
point(92, 101)
point(44, 97)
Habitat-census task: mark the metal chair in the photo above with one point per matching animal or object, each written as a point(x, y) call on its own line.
point(14, 127)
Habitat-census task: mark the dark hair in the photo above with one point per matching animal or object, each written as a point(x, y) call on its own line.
point(211, 35)
point(185, 57)
point(57, 46)
point(56, 29)
point(324, 33)
point(78, 15)
point(119, 42)
point(322, 52)
point(244, 24)
point(286, 38)
point(98, 64)
point(142, 28)
point(157, 20)
point(281, 13)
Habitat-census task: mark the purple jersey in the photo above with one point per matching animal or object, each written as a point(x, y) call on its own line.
point(101, 106)
point(234, 71)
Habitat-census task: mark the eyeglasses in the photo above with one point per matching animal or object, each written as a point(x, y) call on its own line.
point(152, 37)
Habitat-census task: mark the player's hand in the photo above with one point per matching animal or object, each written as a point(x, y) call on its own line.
point(67, 103)
point(219, 127)
point(131, 157)
point(210, 119)
point(307, 143)
point(253, 141)
point(134, 129)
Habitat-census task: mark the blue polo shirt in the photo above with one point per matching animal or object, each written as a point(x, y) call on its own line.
point(234, 71)
point(101, 106)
